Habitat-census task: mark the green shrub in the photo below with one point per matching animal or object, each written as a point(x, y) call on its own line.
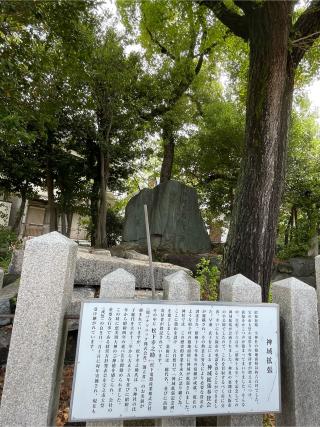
point(292, 250)
point(208, 277)
point(114, 227)
point(8, 240)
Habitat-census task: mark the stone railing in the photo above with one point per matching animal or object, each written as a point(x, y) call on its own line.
point(35, 361)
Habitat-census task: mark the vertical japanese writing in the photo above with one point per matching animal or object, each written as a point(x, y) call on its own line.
point(171, 359)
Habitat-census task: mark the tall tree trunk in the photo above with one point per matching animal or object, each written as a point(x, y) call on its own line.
point(69, 216)
point(94, 198)
point(105, 124)
point(101, 236)
point(277, 45)
point(53, 220)
point(288, 230)
point(63, 224)
point(51, 205)
point(251, 241)
point(168, 151)
point(17, 222)
point(93, 174)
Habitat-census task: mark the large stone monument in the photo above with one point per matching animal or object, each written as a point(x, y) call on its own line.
point(175, 220)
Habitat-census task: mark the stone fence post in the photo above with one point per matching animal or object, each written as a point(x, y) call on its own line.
point(116, 285)
point(300, 353)
point(179, 286)
point(240, 289)
point(35, 361)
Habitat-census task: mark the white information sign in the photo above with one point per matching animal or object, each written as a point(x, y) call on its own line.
point(148, 360)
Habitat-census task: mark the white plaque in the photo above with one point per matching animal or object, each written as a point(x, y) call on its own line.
point(149, 360)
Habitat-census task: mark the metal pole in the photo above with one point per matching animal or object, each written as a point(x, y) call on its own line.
point(153, 288)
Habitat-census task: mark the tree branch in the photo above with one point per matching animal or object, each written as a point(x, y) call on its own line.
point(306, 30)
point(197, 104)
point(163, 49)
point(187, 79)
point(236, 23)
point(215, 176)
point(208, 49)
point(246, 6)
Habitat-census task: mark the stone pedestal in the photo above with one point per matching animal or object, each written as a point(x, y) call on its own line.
point(35, 360)
point(300, 353)
point(239, 288)
point(117, 285)
point(179, 287)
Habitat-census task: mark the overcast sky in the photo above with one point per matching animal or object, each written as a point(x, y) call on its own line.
point(314, 95)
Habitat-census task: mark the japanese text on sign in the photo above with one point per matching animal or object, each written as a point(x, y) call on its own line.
point(138, 360)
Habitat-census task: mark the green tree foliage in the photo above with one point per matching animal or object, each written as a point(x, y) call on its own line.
point(210, 158)
point(72, 98)
point(208, 276)
point(115, 83)
point(178, 39)
point(278, 42)
point(300, 210)
point(38, 46)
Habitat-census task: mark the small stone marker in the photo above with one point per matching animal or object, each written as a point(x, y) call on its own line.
point(16, 262)
point(300, 353)
point(79, 294)
point(29, 395)
point(239, 288)
point(118, 284)
point(180, 286)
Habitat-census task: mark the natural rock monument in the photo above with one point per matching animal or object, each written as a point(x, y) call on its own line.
point(175, 220)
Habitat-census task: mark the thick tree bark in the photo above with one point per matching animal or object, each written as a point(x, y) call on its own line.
point(251, 241)
point(168, 151)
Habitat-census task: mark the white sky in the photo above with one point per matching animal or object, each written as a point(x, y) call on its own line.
point(314, 95)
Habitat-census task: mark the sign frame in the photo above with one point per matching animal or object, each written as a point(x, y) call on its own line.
point(172, 302)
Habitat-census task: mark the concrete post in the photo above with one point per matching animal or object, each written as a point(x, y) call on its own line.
point(179, 286)
point(116, 285)
point(30, 395)
point(300, 353)
point(239, 289)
